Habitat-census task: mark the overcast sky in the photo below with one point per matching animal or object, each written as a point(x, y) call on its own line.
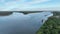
point(29, 4)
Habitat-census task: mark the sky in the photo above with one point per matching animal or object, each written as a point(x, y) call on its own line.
point(9, 5)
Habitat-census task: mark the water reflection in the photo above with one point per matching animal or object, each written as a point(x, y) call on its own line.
point(18, 23)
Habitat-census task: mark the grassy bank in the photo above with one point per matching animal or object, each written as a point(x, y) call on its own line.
point(51, 26)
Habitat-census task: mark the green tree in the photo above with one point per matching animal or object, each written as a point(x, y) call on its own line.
point(51, 26)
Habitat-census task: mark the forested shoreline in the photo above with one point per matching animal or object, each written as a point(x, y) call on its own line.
point(51, 26)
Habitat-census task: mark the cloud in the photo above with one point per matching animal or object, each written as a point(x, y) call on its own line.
point(27, 2)
point(37, 1)
point(22, 4)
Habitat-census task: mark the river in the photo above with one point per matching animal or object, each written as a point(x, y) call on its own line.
point(18, 23)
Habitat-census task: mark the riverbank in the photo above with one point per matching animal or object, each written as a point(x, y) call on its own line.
point(51, 26)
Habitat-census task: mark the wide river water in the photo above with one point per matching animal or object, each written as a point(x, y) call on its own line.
point(18, 23)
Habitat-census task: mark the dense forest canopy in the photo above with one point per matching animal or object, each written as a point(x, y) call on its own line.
point(5, 13)
point(51, 26)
